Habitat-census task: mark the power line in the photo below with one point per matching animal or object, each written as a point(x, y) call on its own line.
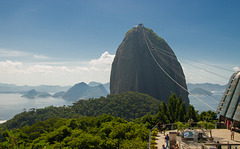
point(206, 70)
point(170, 55)
point(149, 49)
point(209, 64)
point(170, 66)
point(173, 56)
point(177, 73)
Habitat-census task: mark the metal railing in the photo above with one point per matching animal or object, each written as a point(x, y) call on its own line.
point(222, 145)
point(150, 135)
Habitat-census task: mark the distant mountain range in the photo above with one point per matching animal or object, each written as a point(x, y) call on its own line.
point(84, 91)
point(206, 88)
point(200, 91)
point(92, 90)
point(78, 91)
point(12, 88)
point(106, 85)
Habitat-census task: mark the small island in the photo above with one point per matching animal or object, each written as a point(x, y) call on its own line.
point(32, 94)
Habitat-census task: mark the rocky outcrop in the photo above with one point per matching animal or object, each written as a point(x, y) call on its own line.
point(35, 94)
point(59, 94)
point(84, 91)
point(134, 68)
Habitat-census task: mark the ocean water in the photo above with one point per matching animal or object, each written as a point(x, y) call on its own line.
point(12, 104)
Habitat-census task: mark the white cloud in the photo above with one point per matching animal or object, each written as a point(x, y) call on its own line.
point(10, 67)
point(105, 58)
point(236, 68)
point(13, 53)
point(8, 63)
point(40, 57)
point(72, 72)
point(40, 69)
point(56, 73)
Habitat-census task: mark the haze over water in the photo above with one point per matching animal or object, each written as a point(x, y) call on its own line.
point(12, 104)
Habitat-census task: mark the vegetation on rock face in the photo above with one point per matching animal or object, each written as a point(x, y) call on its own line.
point(154, 36)
point(132, 29)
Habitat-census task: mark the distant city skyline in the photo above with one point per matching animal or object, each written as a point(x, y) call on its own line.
point(62, 42)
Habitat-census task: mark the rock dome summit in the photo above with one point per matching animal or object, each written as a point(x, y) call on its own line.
point(145, 63)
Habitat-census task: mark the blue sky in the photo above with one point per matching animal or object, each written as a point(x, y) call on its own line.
point(63, 42)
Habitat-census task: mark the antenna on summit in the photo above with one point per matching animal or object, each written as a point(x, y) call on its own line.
point(140, 25)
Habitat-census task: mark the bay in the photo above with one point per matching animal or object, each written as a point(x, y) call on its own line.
point(12, 104)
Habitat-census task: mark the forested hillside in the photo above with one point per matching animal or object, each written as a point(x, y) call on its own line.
point(129, 106)
point(103, 132)
point(126, 124)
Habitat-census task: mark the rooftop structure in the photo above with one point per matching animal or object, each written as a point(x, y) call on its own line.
point(229, 106)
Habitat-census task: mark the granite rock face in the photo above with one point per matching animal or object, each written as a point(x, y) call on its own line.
point(134, 68)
